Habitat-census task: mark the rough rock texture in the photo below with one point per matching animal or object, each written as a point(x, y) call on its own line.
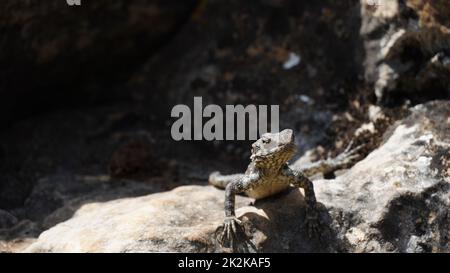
point(172, 221)
point(396, 199)
point(177, 221)
point(407, 46)
point(53, 53)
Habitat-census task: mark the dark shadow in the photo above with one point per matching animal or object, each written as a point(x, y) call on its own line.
point(284, 225)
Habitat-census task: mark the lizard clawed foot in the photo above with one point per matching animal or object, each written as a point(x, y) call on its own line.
point(349, 155)
point(231, 234)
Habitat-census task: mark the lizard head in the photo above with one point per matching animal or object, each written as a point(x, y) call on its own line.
point(273, 149)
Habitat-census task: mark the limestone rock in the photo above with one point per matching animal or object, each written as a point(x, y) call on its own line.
point(173, 221)
point(398, 197)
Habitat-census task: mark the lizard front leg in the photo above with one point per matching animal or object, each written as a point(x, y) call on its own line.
point(299, 179)
point(221, 181)
point(231, 234)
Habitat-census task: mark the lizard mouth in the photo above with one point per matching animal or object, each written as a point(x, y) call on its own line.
point(283, 152)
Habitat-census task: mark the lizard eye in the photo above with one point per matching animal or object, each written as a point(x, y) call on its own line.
point(255, 149)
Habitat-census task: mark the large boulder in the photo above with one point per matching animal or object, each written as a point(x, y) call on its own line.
point(179, 220)
point(182, 220)
point(396, 199)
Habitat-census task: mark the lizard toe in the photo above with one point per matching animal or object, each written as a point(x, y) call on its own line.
point(231, 234)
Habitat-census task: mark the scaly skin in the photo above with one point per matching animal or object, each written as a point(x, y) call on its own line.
point(267, 174)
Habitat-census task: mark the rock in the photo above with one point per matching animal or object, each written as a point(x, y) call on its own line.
point(55, 199)
point(171, 221)
point(177, 221)
point(18, 237)
point(407, 47)
point(55, 54)
point(396, 199)
point(6, 219)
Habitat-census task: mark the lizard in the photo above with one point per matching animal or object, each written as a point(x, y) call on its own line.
point(268, 174)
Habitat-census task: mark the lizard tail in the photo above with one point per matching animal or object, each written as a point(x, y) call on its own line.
point(221, 181)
